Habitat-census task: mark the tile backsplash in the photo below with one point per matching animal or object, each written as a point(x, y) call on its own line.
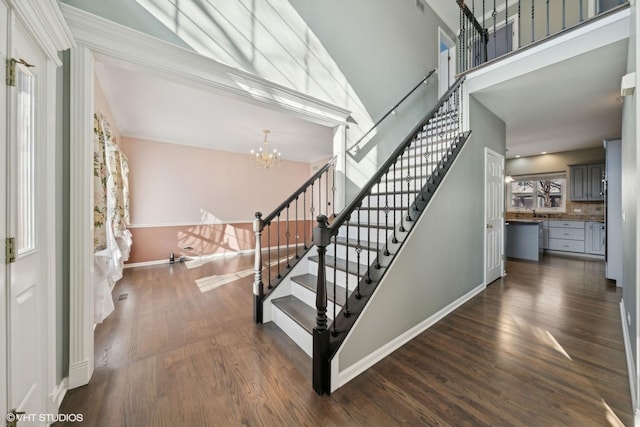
point(589, 211)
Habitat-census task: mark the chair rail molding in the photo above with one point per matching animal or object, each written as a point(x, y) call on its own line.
point(119, 45)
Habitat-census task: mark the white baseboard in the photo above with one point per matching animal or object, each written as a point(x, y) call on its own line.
point(55, 397)
point(203, 257)
point(79, 374)
point(340, 378)
point(633, 383)
point(146, 263)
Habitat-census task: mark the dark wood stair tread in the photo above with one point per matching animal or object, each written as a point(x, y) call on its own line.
point(371, 246)
point(310, 282)
point(372, 225)
point(298, 311)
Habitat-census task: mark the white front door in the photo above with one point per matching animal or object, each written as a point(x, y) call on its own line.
point(494, 218)
point(26, 292)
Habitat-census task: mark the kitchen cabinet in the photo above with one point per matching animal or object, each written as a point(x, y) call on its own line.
point(566, 236)
point(586, 182)
point(594, 238)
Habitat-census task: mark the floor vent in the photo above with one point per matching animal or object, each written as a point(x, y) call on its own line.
point(123, 297)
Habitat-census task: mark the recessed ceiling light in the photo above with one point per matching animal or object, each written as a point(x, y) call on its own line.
point(518, 156)
point(544, 152)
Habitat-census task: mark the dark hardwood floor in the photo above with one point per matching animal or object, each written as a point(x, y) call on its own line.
point(541, 347)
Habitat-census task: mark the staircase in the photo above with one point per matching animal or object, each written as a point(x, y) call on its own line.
point(319, 298)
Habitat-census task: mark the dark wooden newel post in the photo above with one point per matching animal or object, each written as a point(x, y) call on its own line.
point(258, 286)
point(321, 377)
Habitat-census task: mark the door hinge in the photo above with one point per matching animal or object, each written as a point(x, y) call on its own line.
point(10, 250)
point(11, 72)
point(11, 69)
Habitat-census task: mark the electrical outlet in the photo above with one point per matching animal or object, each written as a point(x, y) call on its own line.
point(577, 210)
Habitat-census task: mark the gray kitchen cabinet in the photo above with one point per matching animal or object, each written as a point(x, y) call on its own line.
point(566, 236)
point(586, 182)
point(595, 238)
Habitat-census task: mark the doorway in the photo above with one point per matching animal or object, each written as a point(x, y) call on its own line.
point(446, 62)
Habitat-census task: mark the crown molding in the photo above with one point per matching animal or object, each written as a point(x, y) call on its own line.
point(45, 21)
point(122, 46)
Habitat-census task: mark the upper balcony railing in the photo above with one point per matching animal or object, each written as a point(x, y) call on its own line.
point(492, 29)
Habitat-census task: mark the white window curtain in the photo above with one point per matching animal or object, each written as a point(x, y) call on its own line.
point(112, 239)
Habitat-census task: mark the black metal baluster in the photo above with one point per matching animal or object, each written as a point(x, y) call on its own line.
point(473, 38)
point(564, 14)
point(494, 14)
point(408, 178)
point(377, 266)
point(333, 189)
point(346, 272)
point(395, 197)
point(369, 242)
point(506, 26)
point(269, 253)
point(320, 196)
point(297, 234)
point(326, 192)
point(278, 245)
point(519, 24)
point(335, 292)
point(312, 208)
point(549, 19)
point(460, 43)
point(287, 235)
point(416, 156)
point(305, 226)
point(386, 212)
point(358, 252)
point(484, 34)
point(395, 203)
point(533, 20)
point(581, 12)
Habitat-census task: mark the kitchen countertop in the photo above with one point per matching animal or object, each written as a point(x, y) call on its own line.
point(524, 221)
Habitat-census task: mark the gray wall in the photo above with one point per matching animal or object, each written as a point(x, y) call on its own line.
point(630, 196)
point(429, 275)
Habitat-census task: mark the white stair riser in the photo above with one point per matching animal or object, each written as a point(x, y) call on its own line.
point(379, 217)
point(390, 186)
point(341, 276)
point(297, 333)
point(374, 235)
point(307, 296)
point(390, 200)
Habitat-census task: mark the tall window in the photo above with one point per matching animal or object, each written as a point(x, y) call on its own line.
point(542, 193)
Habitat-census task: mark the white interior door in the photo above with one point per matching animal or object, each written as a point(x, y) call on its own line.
point(3, 206)
point(494, 218)
point(26, 307)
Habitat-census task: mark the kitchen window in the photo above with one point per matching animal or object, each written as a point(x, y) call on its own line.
point(540, 193)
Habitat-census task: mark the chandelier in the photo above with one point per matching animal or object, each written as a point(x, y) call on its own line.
point(264, 157)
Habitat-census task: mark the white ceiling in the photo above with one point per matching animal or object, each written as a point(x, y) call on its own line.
point(152, 108)
point(569, 105)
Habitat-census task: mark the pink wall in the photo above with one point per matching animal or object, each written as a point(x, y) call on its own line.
point(178, 191)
